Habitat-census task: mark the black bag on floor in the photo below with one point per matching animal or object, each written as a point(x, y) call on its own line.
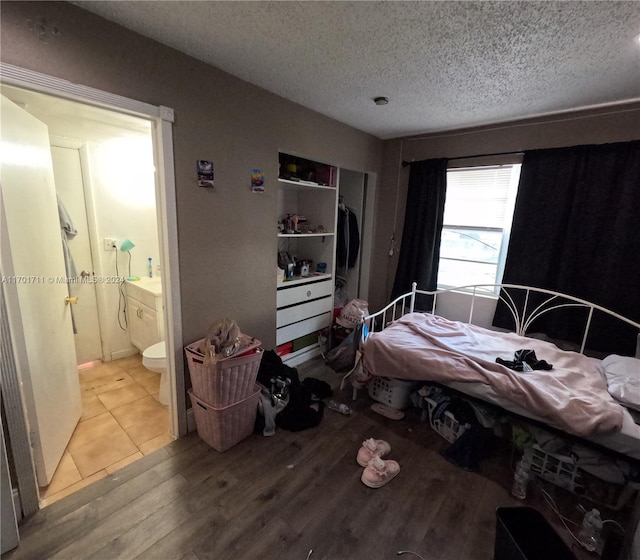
point(302, 411)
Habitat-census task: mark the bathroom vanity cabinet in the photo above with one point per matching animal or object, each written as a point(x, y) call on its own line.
point(145, 312)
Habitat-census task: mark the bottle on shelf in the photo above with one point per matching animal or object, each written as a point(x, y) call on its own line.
point(589, 534)
point(150, 268)
point(521, 480)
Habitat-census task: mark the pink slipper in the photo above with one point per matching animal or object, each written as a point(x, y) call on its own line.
point(378, 472)
point(370, 449)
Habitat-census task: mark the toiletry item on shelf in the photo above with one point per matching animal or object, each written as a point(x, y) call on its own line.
point(150, 268)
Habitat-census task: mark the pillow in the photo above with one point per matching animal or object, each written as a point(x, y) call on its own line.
point(623, 379)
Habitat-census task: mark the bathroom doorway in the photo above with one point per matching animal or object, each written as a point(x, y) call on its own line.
point(109, 365)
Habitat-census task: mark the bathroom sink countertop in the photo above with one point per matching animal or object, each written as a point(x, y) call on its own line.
point(151, 285)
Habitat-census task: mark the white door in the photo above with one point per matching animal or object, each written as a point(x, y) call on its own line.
point(32, 264)
point(67, 172)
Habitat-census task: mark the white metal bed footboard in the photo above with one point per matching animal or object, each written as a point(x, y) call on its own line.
point(522, 316)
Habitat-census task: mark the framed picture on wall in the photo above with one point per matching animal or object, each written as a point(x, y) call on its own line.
point(205, 173)
point(257, 180)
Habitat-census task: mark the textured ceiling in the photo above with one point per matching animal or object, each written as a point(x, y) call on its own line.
point(444, 65)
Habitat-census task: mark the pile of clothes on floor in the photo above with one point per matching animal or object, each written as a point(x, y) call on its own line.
point(286, 401)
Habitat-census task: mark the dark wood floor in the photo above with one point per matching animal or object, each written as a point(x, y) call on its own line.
point(280, 497)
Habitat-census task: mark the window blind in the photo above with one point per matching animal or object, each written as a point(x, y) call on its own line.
point(477, 197)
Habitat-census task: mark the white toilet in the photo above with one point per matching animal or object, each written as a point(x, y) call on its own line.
point(154, 358)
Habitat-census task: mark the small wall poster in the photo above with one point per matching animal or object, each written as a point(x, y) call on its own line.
point(257, 180)
point(205, 173)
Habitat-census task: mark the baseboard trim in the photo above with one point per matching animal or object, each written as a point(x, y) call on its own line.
point(124, 353)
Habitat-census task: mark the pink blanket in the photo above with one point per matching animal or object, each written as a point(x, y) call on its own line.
point(573, 395)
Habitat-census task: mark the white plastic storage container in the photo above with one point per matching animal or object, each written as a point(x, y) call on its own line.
point(447, 426)
point(563, 471)
point(395, 393)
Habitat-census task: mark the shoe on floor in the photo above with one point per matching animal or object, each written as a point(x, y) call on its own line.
point(370, 449)
point(378, 472)
point(387, 411)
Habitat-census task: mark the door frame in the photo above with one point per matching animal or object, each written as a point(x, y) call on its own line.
point(369, 181)
point(161, 118)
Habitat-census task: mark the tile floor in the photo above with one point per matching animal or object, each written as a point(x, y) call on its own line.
point(122, 420)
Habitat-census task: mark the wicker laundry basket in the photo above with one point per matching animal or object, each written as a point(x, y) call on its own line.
point(224, 427)
point(229, 380)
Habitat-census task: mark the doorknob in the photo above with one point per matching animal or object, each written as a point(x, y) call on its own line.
point(86, 273)
point(71, 299)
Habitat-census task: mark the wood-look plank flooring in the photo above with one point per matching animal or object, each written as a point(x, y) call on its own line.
point(282, 496)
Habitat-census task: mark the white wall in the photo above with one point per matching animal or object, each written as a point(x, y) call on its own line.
point(122, 205)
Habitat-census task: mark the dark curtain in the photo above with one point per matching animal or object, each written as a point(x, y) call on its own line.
point(420, 249)
point(576, 230)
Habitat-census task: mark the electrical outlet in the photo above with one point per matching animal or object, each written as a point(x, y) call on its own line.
point(110, 244)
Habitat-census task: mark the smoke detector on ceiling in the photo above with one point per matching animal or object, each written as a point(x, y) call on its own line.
point(381, 100)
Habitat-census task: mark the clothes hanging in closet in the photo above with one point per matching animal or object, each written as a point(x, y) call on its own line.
point(348, 243)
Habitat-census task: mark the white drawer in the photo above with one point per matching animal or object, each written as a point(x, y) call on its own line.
point(306, 292)
point(302, 311)
point(290, 332)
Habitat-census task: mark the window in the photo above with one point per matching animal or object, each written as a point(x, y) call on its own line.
point(477, 220)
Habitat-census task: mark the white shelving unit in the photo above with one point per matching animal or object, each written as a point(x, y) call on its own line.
point(305, 304)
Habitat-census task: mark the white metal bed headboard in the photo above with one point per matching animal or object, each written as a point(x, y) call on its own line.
point(522, 317)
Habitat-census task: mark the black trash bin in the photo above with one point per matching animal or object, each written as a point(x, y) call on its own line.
point(522, 533)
